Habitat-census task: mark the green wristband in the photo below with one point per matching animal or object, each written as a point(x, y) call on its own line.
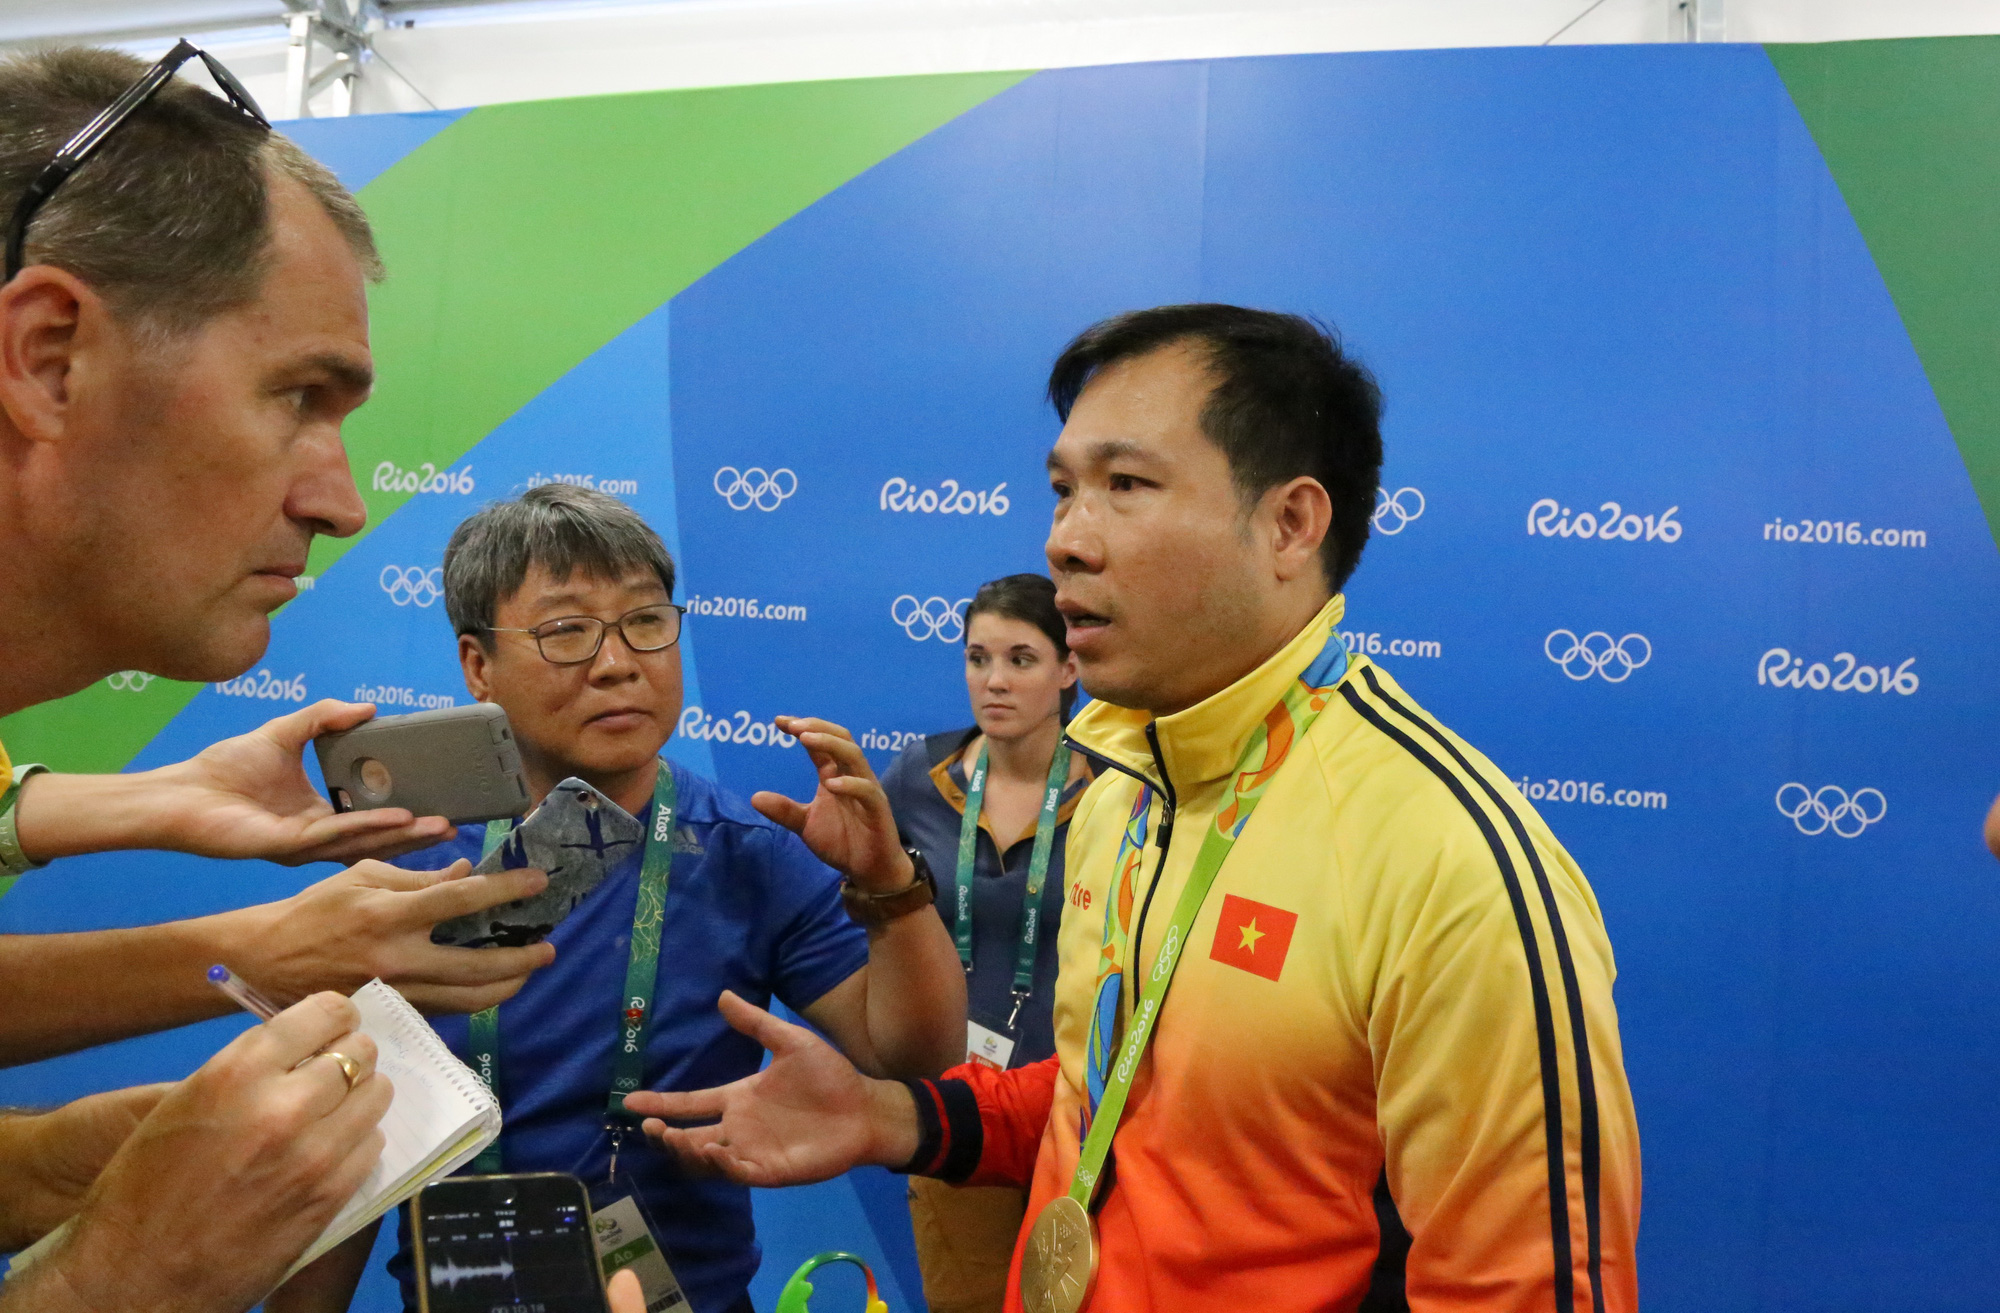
point(13, 862)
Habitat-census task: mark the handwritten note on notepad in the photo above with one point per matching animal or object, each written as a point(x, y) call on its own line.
point(441, 1117)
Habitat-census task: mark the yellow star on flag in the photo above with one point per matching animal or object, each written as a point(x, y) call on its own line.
point(1251, 934)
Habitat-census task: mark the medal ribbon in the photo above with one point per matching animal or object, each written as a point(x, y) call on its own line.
point(1270, 744)
point(641, 966)
point(1038, 870)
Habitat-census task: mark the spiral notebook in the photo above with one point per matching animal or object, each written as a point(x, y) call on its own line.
point(441, 1117)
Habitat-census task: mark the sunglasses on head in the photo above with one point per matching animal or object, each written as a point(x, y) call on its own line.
point(92, 135)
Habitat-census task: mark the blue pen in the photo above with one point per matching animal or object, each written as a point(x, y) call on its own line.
point(243, 992)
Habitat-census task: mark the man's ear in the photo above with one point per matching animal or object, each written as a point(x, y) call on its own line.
point(1301, 517)
point(49, 321)
point(475, 661)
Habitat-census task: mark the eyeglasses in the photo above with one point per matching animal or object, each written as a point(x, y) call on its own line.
point(572, 640)
point(85, 143)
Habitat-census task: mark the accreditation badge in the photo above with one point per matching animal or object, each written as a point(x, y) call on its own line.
point(988, 1048)
point(626, 1236)
point(1059, 1268)
point(625, 1241)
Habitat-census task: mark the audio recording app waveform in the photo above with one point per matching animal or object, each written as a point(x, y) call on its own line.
point(449, 1274)
point(494, 1260)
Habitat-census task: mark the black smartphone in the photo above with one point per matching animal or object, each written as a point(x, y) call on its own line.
point(502, 1244)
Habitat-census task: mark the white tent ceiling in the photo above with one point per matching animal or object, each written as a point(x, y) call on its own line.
point(448, 53)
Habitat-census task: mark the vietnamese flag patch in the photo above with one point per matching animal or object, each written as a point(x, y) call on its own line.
point(1253, 936)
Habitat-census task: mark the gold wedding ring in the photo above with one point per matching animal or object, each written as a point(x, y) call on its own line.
point(348, 1066)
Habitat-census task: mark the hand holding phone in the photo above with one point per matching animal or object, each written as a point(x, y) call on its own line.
point(577, 835)
point(457, 762)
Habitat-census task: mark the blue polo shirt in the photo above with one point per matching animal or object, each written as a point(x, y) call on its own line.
point(749, 908)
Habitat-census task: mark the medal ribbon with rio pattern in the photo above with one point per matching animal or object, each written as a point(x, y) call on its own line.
point(1270, 746)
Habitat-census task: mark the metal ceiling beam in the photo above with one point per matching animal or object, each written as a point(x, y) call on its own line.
point(330, 42)
point(1695, 20)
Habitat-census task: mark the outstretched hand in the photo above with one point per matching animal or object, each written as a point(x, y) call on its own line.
point(847, 824)
point(807, 1116)
point(250, 797)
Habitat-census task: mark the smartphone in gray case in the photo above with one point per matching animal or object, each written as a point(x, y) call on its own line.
point(460, 763)
point(577, 835)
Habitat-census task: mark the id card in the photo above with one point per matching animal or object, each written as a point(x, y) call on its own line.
point(623, 1241)
point(988, 1048)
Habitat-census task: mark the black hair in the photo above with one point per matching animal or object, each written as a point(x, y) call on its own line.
point(558, 526)
point(1031, 599)
point(1287, 401)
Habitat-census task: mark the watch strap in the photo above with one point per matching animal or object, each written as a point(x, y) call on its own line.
point(874, 910)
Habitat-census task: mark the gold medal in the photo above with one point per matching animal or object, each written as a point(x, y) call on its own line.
point(1060, 1267)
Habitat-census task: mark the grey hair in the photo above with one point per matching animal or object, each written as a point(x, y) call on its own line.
point(560, 527)
point(169, 221)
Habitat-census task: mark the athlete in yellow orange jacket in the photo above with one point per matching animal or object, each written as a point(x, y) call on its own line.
point(1323, 969)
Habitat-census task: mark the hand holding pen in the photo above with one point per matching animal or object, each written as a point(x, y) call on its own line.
point(252, 1000)
point(238, 1169)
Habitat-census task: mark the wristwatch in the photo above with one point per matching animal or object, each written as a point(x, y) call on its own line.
point(876, 910)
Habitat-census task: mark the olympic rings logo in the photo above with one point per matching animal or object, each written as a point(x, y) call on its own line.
point(1814, 811)
point(1597, 653)
point(1391, 506)
point(129, 681)
point(412, 585)
point(766, 490)
point(931, 618)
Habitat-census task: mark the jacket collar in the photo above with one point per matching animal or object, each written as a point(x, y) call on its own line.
point(1205, 742)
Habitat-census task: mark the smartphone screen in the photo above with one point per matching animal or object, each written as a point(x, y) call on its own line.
point(506, 1244)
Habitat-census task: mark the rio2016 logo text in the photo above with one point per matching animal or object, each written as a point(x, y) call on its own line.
point(948, 498)
point(737, 727)
point(1549, 518)
point(1778, 668)
point(263, 684)
point(425, 478)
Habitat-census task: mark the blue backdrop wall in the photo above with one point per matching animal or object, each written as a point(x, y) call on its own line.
point(1672, 527)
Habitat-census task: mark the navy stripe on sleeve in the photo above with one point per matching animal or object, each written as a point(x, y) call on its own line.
point(1586, 1077)
point(1545, 1026)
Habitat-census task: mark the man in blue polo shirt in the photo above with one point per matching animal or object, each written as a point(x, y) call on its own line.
point(562, 602)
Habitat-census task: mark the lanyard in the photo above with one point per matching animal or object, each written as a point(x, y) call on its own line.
point(1283, 729)
point(1038, 870)
point(641, 968)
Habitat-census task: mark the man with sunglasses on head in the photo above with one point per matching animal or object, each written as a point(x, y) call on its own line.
point(563, 603)
point(183, 327)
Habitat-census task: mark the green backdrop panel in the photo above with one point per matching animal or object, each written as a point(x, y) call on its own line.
point(1910, 130)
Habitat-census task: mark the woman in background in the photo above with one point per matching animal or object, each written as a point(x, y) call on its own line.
point(990, 805)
